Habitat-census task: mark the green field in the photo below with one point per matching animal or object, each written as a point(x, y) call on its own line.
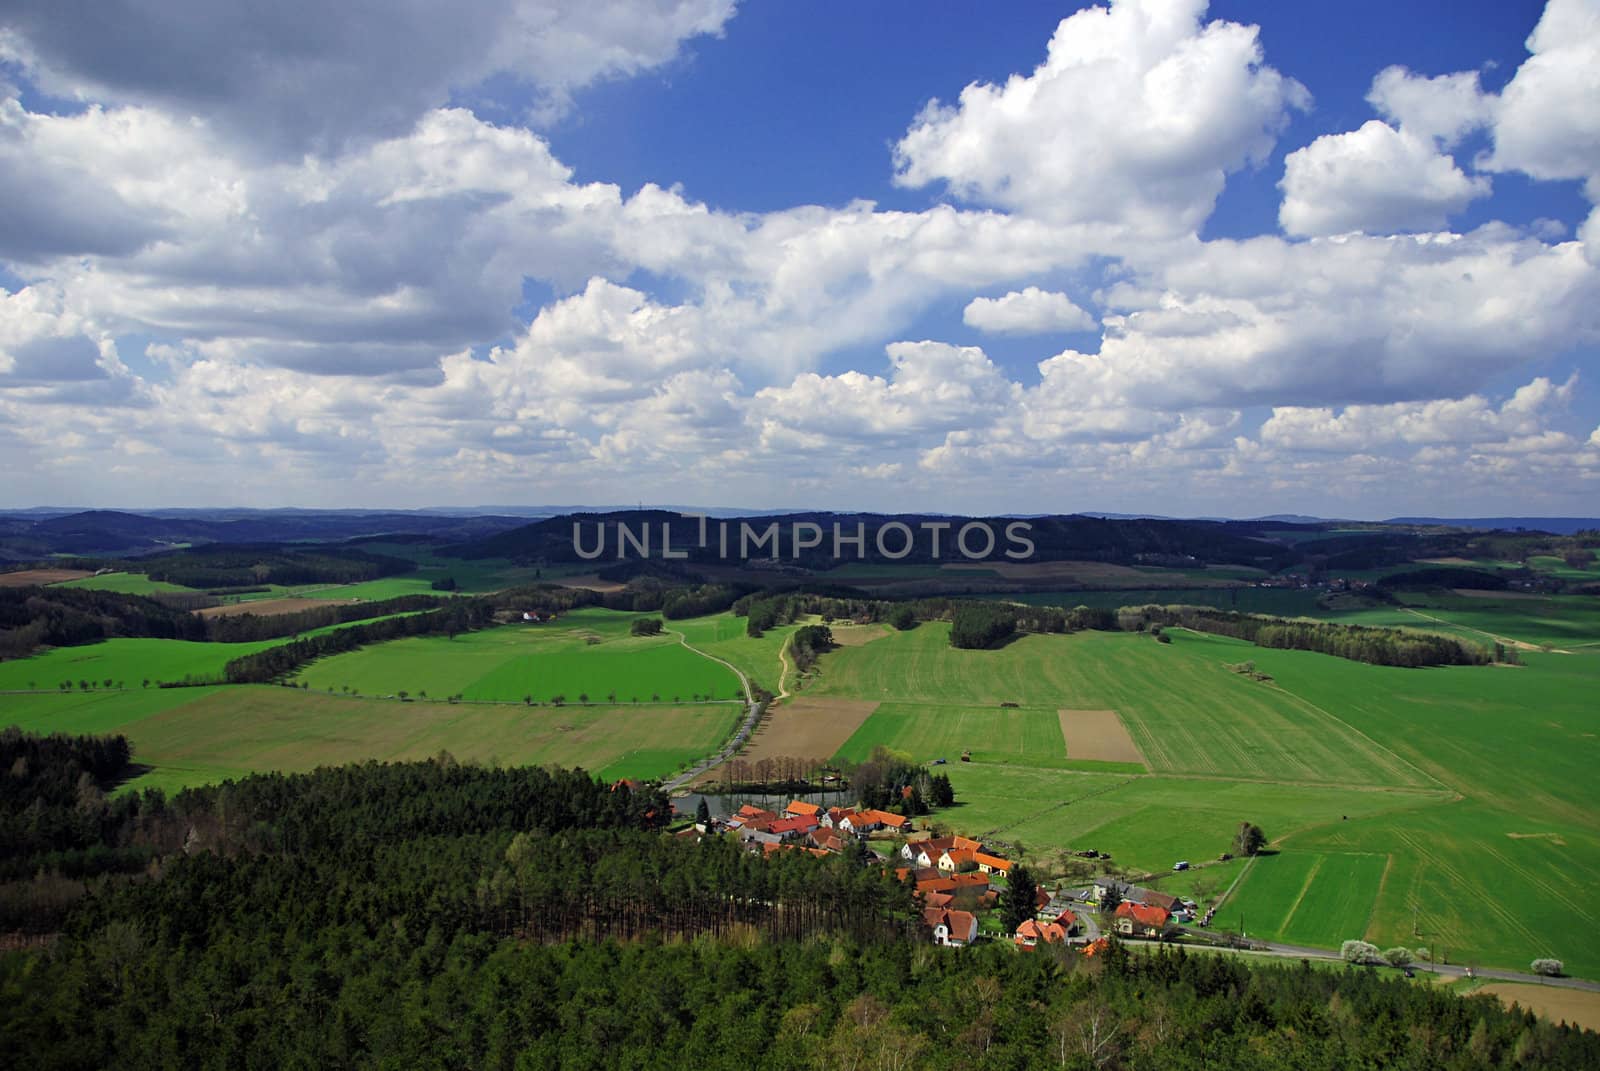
point(471, 577)
point(1308, 898)
point(723, 636)
point(200, 735)
point(1459, 801)
point(514, 662)
point(126, 583)
point(127, 663)
point(136, 663)
point(1031, 736)
point(1172, 696)
point(1397, 797)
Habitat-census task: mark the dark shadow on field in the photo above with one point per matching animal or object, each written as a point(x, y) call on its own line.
point(129, 772)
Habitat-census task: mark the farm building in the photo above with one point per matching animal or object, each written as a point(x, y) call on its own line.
point(952, 928)
point(1137, 920)
point(1031, 934)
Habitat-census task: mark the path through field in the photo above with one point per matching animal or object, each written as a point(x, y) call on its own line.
point(746, 727)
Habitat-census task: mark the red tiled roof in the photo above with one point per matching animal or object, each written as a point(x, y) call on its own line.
point(994, 862)
point(953, 882)
point(1145, 916)
point(810, 810)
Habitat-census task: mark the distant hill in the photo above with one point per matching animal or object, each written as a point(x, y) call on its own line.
point(114, 533)
point(1553, 525)
point(1054, 538)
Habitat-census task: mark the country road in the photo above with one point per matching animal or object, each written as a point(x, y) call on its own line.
point(1447, 970)
point(753, 712)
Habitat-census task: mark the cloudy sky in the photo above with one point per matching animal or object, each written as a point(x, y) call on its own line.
point(1160, 256)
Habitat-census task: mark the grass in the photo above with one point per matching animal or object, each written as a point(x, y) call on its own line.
point(509, 663)
point(195, 736)
point(1459, 800)
point(129, 661)
point(1185, 709)
point(1307, 898)
point(991, 734)
point(1560, 621)
point(1148, 822)
point(723, 636)
point(127, 584)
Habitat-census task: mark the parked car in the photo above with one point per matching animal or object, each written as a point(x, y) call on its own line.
point(1182, 864)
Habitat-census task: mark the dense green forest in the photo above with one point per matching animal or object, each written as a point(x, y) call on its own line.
point(240, 564)
point(434, 914)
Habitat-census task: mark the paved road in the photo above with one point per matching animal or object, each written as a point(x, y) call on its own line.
point(1447, 970)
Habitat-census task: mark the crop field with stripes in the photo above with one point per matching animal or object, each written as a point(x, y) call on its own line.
point(1452, 808)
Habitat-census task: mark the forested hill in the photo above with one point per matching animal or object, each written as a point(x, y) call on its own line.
point(434, 915)
point(1079, 538)
point(28, 537)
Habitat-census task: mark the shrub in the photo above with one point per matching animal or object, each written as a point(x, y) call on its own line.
point(1397, 956)
point(1360, 952)
point(1551, 967)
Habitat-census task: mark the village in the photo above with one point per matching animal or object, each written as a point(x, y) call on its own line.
point(958, 881)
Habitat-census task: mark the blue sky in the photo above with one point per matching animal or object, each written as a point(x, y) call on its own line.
point(1160, 256)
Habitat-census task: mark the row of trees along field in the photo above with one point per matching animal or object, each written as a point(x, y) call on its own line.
point(983, 624)
point(1360, 643)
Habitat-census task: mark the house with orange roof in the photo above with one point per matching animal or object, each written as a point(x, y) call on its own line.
point(977, 882)
point(826, 839)
point(834, 815)
point(951, 928)
point(992, 864)
point(748, 817)
point(955, 859)
point(792, 828)
point(801, 809)
point(886, 820)
point(1137, 920)
point(1031, 934)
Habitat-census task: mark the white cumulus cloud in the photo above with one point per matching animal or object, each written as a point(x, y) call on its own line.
point(1376, 179)
point(1030, 311)
point(1135, 118)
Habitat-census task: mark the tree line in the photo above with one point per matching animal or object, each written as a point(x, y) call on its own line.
point(232, 565)
point(1360, 643)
